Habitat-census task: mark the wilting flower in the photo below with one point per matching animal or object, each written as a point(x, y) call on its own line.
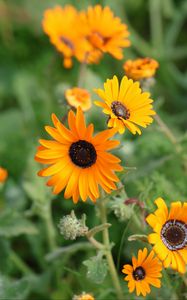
point(78, 97)
point(140, 68)
point(83, 296)
point(170, 234)
point(3, 174)
point(145, 271)
point(106, 33)
point(78, 161)
point(62, 26)
point(126, 105)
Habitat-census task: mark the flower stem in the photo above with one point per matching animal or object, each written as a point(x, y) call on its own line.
point(106, 242)
point(81, 75)
point(50, 230)
point(21, 265)
point(167, 132)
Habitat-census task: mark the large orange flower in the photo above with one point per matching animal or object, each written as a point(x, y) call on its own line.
point(125, 104)
point(170, 234)
point(106, 33)
point(140, 68)
point(62, 27)
point(78, 161)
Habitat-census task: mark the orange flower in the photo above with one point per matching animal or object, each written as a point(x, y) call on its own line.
point(144, 271)
point(78, 97)
point(83, 296)
point(3, 174)
point(140, 68)
point(62, 27)
point(106, 33)
point(78, 161)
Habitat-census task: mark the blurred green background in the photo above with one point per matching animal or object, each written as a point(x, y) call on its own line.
point(32, 82)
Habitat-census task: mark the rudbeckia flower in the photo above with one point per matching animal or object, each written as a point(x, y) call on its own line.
point(170, 234)
point(79, 162)
point(140, 68)
point(78, 97)
point(62, 26)
point(106, 33)
point(125, 104)
point(3, 174)
point(145, 271)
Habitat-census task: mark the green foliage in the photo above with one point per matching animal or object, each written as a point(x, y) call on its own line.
point(36, 262)
point(97, 268)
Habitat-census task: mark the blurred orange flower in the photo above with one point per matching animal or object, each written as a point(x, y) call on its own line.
point(83, 296)
point(78, 97)
point(62, 26)
point(106, 33)
point(140, 68)
point(3, 174)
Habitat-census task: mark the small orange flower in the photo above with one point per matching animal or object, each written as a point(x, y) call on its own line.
point(106, 33)
point(62, 26)
point(84, 296)
point(140, 68)
point(3, 174)
point(145, 271)
point(78, 97)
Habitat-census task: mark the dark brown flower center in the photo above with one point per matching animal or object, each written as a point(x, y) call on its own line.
point(120, 110)
point(82, 154)
point(174, 235)
point(139, 273)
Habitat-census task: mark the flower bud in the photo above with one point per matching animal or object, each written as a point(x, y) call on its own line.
point(71, 227)
point(83, 296)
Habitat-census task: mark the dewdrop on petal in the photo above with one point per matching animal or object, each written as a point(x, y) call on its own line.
point(83, 296)
point(71, 227)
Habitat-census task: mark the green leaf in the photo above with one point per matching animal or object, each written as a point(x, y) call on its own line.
point(97, 268)
point(13, 223)
point(17, 290)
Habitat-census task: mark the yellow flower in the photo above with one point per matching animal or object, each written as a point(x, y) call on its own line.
point(126, 105)
point(170, 234)
point(62, 26)
point(145, 271)
point(78, 97)
point(106, 33)
point(84, 296)
point(140, 68)
point(3, 174)
point(78, 161)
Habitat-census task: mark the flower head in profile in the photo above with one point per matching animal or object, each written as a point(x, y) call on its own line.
point(62, 26)
point(140, 68)
point(170, 234)
point(125, 104)
point(78, 97)
point(83, 296)
point(79, 162)
point(3, 175)
point(144, 271)
point(106, 33)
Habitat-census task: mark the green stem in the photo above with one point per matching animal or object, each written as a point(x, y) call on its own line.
point(21, 265)
point(82, 74)
point(106, 242)
point(156, 24)
point(50, 230)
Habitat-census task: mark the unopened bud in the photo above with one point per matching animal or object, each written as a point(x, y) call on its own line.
point(71, 227)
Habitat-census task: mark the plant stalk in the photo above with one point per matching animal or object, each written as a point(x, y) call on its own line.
point(106, 242)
